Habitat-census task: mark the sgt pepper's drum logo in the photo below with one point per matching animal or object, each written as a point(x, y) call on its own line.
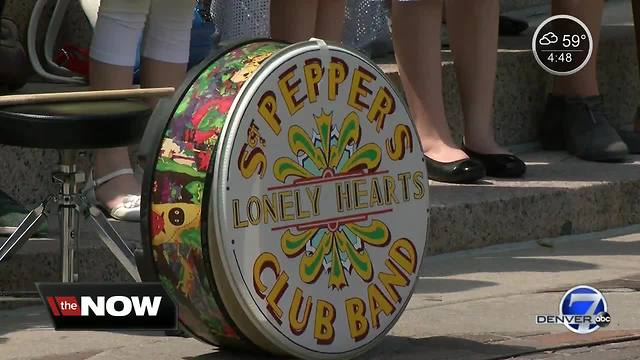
point(323, 202)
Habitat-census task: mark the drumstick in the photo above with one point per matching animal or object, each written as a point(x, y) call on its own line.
point(98, 95)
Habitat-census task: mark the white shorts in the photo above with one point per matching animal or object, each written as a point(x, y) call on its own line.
point(166, 25)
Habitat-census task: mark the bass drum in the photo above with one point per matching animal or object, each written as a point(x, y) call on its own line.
point(285, 200)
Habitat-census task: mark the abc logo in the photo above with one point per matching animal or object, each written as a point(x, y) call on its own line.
point(603, 319)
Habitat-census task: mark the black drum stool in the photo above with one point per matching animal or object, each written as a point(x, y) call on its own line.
point(71, 128)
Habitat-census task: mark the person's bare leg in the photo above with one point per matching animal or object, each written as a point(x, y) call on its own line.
point(155, 74)
point(293, 20)
point(330, 20)
point(106, 77)
point(419, 62)
point(585, 82)
point(473, 33)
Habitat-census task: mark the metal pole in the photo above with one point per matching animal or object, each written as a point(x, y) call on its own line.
point(68, 242)
point(68, 216)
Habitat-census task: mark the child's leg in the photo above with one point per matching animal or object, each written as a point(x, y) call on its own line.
point(330, 20)
point(293, 20)
point(113, 50)
point(166, 43)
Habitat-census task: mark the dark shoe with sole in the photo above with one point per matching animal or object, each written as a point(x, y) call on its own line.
point(588, 134)
point(632, 139)
point(457, 172)
point(499, 165)
point(579, 125)
point(12, 214)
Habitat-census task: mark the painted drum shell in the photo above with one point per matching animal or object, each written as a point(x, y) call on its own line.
point(193, 264)
point(214, 326)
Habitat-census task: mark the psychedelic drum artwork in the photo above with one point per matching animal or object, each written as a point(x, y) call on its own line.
point(286, 201)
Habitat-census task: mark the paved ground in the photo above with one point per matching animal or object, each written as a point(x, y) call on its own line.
point(469, 305)
point(618, 351)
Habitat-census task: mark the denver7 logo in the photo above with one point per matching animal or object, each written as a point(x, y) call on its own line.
point(586, 302)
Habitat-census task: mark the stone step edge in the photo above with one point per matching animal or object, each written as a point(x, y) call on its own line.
point(571, 219)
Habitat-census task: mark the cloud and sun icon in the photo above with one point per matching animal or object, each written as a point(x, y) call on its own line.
point(548, 39)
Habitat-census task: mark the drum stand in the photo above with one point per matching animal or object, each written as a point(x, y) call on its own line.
point(71, 203)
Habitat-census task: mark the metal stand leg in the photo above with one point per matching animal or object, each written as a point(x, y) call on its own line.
point(27, 227)
point(114, 241)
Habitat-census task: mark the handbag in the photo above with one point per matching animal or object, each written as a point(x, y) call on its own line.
point(14, 64)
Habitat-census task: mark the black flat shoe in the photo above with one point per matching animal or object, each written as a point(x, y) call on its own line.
point(499, 165)
point(458, 172)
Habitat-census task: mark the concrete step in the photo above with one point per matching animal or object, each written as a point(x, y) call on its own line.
point(39, 260)
point(560, 195)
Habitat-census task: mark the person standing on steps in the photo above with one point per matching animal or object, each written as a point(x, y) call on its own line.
point(574, 118)
point(473, 33)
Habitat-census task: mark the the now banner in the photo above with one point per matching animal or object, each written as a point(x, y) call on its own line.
point(128, 306)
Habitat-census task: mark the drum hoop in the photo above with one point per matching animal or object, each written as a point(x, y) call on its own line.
point(210, 229)
point(231, 302)
point(237, 303)
point(159, 120)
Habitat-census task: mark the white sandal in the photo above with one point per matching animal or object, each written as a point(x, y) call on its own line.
point(127, 210)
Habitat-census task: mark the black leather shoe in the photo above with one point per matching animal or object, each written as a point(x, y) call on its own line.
point(458, 172)
point(499, 165)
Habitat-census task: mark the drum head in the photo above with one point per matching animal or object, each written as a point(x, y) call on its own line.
point(307, 228)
